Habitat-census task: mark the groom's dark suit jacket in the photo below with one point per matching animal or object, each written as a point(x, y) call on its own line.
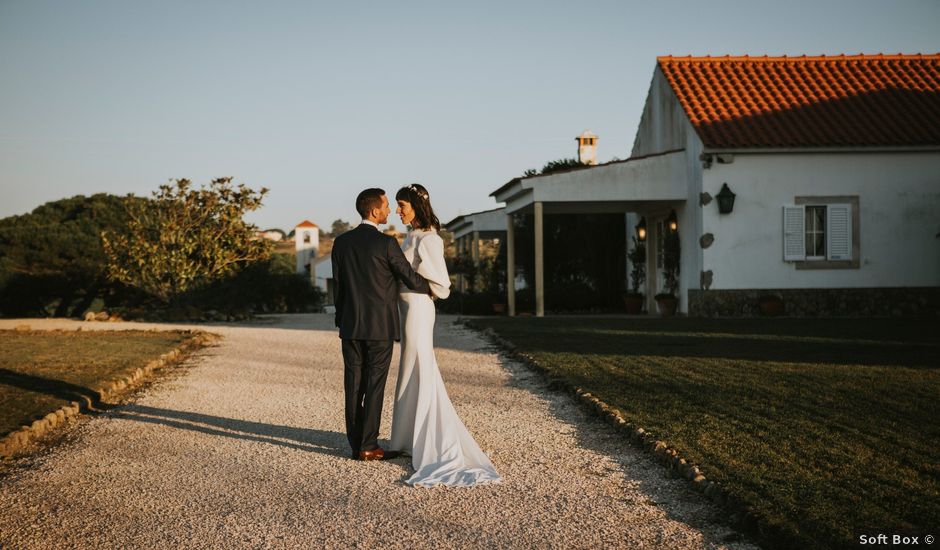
point(367, 266)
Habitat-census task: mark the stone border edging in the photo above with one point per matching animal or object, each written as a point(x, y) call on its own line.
point(741, 517)
point(17, 440)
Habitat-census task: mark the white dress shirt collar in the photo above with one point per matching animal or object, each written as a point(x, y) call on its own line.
point(372, 223)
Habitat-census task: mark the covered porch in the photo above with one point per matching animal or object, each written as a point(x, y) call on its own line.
point(471, 230)
point(650, 187)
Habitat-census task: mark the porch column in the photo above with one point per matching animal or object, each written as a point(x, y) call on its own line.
point(510, 267)
point(652, 238)
point(539, 262)
point(475, 250)
point(459, 245)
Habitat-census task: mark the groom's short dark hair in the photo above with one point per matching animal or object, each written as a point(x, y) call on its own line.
point(369, 199)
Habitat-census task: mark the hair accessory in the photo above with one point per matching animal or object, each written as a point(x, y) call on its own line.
point(416, 191)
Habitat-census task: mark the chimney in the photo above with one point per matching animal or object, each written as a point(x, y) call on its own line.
point(587, 148)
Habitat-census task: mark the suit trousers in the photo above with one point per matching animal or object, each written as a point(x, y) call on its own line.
point(366, 370)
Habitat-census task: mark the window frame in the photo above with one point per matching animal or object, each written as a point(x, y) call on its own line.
point(826, 200)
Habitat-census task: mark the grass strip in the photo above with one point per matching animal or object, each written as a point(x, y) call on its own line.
point(41, 371)
point(822, 429)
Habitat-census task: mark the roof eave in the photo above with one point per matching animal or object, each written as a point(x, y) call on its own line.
point(845, 149)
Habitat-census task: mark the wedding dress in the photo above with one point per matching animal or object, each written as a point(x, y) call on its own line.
point(424, 422)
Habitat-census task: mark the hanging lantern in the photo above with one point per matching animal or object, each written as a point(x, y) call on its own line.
point(725, 200)
point(641, 230)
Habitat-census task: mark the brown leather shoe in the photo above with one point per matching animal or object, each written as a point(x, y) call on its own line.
point(374, 454)
point(378, 454)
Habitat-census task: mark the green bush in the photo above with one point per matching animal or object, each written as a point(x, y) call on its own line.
point(268, 286)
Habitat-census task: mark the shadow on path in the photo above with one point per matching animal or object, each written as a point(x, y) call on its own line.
point(301, 439)
point(49, 386)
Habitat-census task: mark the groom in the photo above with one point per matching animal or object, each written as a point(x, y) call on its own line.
point(367, 266)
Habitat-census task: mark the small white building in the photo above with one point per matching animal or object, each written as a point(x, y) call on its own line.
point(273, 235)
point(321, 270)
point(306, 244)
point(833, 165)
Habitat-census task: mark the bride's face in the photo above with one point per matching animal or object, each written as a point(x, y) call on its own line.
point(406, 212)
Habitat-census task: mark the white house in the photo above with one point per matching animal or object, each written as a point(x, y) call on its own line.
point(321, 273)
point(835, 167)
point(273, 235)
point(306, 244)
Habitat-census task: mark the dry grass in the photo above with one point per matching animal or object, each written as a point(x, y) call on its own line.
point(43, 370)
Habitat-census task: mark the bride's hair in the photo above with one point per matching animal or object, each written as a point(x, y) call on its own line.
point(416, 195)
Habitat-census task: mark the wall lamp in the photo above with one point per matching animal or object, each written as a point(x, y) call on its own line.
point(725, 200)
point(641, 230)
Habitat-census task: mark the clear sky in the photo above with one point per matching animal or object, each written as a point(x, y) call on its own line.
point(317, 101)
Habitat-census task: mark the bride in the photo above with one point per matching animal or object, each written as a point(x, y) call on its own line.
point(424, 423)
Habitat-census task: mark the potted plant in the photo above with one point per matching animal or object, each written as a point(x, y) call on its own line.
point(633, 300)
point(666, 301)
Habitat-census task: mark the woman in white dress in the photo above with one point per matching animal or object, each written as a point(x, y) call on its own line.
point(424, 423)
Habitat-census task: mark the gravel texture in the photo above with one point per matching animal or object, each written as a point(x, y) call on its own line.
point(244, 448)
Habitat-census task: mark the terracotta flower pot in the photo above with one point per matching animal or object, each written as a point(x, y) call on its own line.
point(633, 303)
point(770, 306)
point(667, 306)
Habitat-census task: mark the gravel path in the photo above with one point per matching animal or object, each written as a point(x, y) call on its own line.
point(245, 449)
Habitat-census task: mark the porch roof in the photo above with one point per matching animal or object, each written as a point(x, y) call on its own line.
point(488, 223)
point(614, 186)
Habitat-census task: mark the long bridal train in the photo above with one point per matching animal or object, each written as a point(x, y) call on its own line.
point(425, 423)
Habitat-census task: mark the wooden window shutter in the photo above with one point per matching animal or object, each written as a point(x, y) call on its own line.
point(794, 238)
point(839, 231)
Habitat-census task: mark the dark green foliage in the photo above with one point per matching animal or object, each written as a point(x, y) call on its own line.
point(269, 285)
point(184, 239)
point(52, 261)
point(671, 263)
point(561, 165)
point(339, 227)
point(637, 257)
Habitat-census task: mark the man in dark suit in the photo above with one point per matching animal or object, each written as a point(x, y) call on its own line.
point(367, 266)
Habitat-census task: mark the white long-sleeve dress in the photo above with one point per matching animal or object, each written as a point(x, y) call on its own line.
point(424, 422)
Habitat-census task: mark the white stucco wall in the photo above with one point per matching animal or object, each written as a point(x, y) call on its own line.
point(323, 270)
point(664, 126)
point(305, 251)
point(899, 218)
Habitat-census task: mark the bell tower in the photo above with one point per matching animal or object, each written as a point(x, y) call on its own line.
point(306, 244)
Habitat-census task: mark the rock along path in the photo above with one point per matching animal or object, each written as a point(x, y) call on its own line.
point(245, 448)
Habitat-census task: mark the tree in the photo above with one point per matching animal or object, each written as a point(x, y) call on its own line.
point(560, 165)
point(186, 238)
point(340, 227)
point(53, 257)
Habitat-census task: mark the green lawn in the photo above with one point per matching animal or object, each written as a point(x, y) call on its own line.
point(825, 429)
point(42, 371)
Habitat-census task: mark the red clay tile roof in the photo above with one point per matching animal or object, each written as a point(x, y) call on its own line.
point(825, 101)
point(306, 223)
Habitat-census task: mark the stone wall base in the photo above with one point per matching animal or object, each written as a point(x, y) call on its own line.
point(819, 302)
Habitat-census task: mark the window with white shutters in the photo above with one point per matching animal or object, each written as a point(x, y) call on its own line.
point(839, 235)
point(818, 232)
point(794, 246)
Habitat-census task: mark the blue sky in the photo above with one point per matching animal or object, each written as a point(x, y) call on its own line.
point(317, 101)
